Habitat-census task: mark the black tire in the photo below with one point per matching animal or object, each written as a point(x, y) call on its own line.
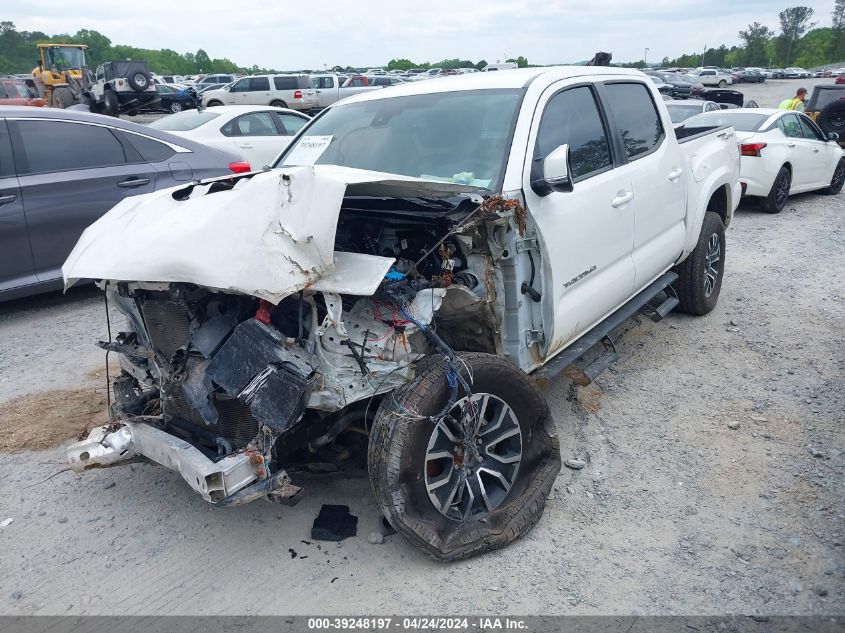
point(111, 103)
point(722, 83)
point(398, 467)
point(750, 104)
point(697, 295)
point(779, 193)
point(832, 118)
point(62, 97)
point(837, 180)
point(214, 103)
point(176, 106)
point(139, 81)
point(278, 104)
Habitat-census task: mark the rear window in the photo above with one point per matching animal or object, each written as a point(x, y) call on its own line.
point(285, 83)
point(635, 116)
point(680, 113)
point(741, 121)
point(183, 121)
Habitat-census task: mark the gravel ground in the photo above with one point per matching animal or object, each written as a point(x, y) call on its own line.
point(713, 484)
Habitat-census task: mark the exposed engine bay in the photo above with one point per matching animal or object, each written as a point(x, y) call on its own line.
point(243, 380)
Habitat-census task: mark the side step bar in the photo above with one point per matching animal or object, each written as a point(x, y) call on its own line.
point(599, 336)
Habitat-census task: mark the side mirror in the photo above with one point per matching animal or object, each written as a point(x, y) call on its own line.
point(556, 171)
point(832, 136)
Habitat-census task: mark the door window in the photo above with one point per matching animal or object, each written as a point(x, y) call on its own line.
point(810, 130)
point(257, 84)
point(788, 124)
point(252, 124)
point(63, 146)
point(241, 86)
point(635, 117)
point(285, 83)
point(572, 117)
point(290, 123)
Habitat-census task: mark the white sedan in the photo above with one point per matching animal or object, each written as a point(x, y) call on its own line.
point(783, 152)
point(258, 133)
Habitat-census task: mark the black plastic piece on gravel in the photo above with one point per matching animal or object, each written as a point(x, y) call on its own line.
point(334, 523)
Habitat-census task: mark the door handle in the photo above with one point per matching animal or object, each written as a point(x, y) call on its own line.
point(622, 198)
point(816, 151)
point(675, 174)
point(7, 199)
point(133, 182)
point(245, 145)
point(790, 144)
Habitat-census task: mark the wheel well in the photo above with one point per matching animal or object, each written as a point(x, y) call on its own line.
point(214, 103)
point(278, 103)
point(718, 203)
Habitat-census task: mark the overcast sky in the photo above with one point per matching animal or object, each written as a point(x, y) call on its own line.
point(289, 35)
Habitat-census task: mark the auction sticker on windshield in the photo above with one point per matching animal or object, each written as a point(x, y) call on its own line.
point(308, 150)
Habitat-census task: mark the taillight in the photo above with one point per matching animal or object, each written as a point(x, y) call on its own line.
point(240, 167)
point(751, 149)
point(297, 94)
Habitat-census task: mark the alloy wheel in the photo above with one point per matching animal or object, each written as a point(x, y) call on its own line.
point(473, 457)
point(712, 259)
point(782, 189)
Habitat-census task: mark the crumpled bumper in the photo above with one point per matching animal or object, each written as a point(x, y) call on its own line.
point(233, 480)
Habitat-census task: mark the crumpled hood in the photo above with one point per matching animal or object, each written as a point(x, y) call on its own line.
point(270, 236)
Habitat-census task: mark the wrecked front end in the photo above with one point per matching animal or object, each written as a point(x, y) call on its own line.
point(266, 313)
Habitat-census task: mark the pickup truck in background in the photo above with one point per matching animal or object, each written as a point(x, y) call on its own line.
point(332, 88)
point(711, 77)
point(415, 265)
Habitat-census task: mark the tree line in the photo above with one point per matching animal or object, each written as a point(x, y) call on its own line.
point(799, 42)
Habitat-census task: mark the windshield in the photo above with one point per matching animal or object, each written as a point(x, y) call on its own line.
point(63, 57)
point(461, 137)
point(183, 121)
point(680, 113)
point(741, 121)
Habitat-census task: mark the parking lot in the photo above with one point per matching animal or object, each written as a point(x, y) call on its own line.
point(712, 478)
point(713, 481)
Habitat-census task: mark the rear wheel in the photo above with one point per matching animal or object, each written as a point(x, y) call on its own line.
point(175, 107)
point(837, 180)
point(474, 480)
point(700, 275)
point(62, 97)
point(278, 104)
point(723, 83)
point(214, 103)
point(778, 194)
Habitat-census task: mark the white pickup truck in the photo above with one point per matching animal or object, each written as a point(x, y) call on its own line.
point(712, 77)
point(331, 88)
point(417, 263)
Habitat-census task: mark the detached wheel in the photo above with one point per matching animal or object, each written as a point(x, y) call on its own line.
point(779, 193)
point(837, 180)
point(475, 480)
point(700, 275)
point(175, 107)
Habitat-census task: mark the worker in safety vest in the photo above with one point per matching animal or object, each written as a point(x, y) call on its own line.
point(794, 104)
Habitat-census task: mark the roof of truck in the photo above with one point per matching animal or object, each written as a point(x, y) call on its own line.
point(517, 78)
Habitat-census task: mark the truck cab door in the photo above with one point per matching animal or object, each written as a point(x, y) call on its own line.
point(657, 169)
point(16, 265)
point(586, 234)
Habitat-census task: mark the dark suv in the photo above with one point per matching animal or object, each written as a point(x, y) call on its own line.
point(60, 170)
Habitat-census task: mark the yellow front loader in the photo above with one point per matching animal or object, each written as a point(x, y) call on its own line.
point(62, 76)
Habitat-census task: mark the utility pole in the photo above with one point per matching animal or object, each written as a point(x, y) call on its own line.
point(704, 52)
point(645, 57)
